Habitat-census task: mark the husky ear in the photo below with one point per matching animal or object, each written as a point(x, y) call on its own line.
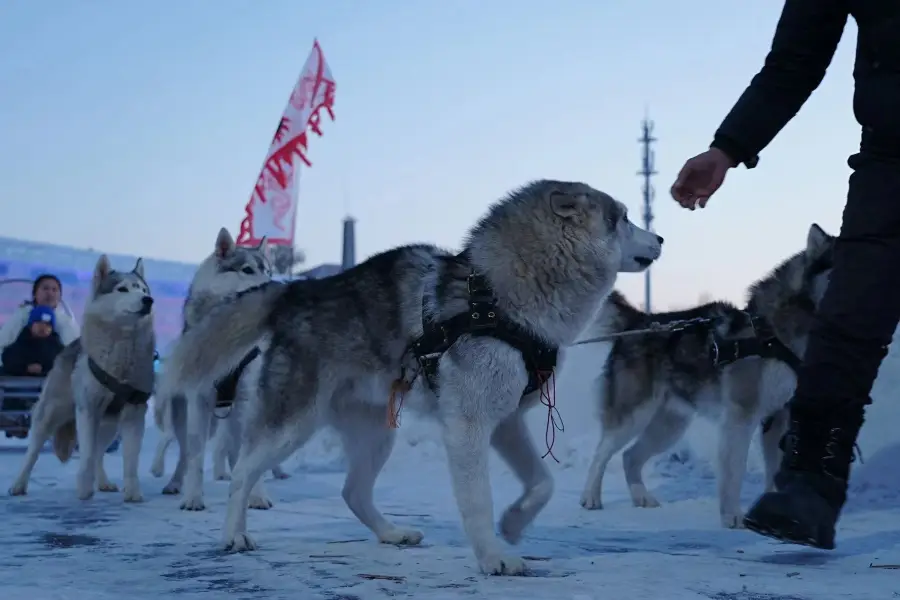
point(139, 267)
point(224, 243)
point(101, 272)
point(816, 241)
point(566, 205)
point(264, 246)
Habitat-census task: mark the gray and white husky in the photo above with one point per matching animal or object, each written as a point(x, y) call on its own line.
point(228, 270)
point(652, 386)
point(100, 383)
point(333, 349)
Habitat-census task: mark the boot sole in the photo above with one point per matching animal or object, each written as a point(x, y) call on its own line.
point(786, 530)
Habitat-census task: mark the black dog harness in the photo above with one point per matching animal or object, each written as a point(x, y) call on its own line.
point(483, 319)
point(226, 389)
point(123, 393)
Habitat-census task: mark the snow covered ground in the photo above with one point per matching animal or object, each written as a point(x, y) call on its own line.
point(53, 547)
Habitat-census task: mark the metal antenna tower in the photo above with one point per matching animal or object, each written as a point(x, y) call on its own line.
point(647, 172)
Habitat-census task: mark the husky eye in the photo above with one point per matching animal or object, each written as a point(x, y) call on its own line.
point(247, 270)
point(122, 288)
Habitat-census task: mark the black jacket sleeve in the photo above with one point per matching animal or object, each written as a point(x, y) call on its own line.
point(807, 35)
point(16, 357)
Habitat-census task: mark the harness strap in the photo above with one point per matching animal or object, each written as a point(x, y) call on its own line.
point(483, 319)
point(123, 393)
point(226, 389)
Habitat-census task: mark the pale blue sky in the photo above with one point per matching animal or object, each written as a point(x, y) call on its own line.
point(139, 127)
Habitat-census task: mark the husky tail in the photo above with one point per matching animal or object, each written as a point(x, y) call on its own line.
point(215, 346)
point(64, 440)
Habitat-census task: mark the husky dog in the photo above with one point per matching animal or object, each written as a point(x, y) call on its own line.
point(225, 272)
point(653, 385)
point(100, 383)
point(334, 350)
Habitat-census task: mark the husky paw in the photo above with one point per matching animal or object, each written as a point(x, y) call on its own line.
point(259, 502)
point(590, 500)
point(223, 476)
point(85, 493)
point(107, 486)
point(513, 524)
point(732, 519)
point(279, 473)
point(158, 470)
point(498, 564)
point(18, 489)
point(173, 488)
point(193, 502)
point(132, 492)
point(641, 498)
point(241, 542)
point(400, 536)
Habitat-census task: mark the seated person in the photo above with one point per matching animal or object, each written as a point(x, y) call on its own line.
point(46, 291)
point(36, 348)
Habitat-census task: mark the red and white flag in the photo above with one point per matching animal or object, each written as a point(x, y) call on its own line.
point(272, 209)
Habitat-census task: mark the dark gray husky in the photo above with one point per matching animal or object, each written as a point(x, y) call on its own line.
point(653, 385)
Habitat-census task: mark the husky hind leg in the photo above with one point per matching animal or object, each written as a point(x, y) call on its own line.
point(513, 442)
point(179, 430)
point(259, 452)
point(223, 439)
point(162, 415)
point(666, 427)
point(199, 412)
point(279, 473)
point(158, 467)
point(45, 422)
point(367, 445)
point(770, 435)
point(618, 430)
point(105, 435)
point(131, 424)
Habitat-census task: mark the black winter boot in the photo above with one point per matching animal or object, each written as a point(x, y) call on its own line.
point(811, 483)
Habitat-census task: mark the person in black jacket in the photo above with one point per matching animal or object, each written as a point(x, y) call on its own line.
point(36, 348)
point(857, 317)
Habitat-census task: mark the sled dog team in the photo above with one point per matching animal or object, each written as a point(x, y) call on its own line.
point(468, 339)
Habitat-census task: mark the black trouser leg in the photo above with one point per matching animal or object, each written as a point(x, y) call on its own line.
point(861, 307)
point(854, 325)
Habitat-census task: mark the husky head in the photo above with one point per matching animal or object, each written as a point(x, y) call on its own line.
point(227, 270)
point(789, 295)
point(554, 248)
point(569, 219)
point(117, 296)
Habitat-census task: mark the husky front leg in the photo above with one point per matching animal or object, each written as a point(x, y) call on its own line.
point(512, 441)
point(87, 425)
point(367, 445)
point(199, 413)
point(106, 434)
point(131, 425)
point(467, 439)
point(734, 446)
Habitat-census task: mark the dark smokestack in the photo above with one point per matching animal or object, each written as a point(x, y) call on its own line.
point(348, 257)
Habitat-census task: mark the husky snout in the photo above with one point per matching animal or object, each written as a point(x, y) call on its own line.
point(640, 248)
point(146, 306)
